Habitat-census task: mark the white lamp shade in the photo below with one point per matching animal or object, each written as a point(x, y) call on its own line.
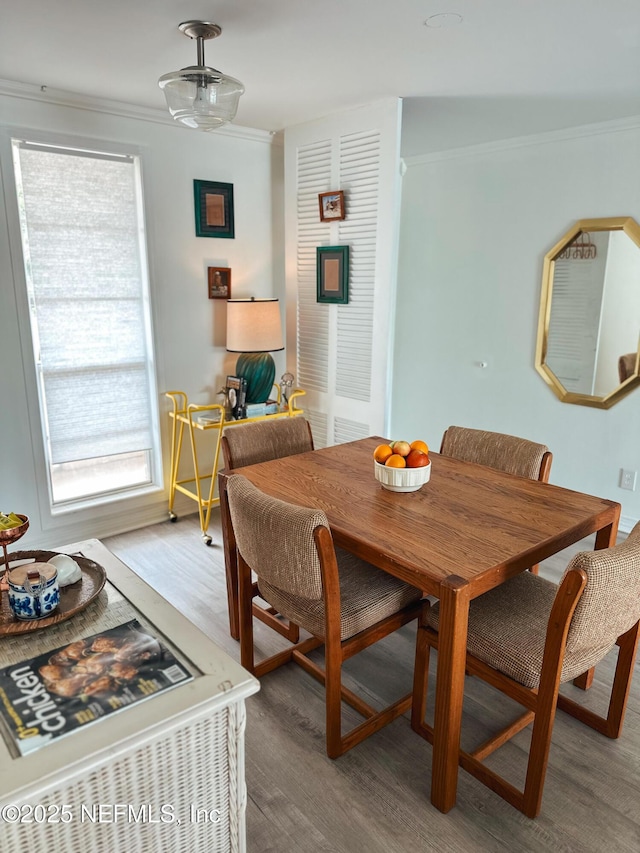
point(253, 325)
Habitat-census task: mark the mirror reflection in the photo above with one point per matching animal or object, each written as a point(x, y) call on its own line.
point(590, 313)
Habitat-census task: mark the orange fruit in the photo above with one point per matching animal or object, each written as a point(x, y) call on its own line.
point(420, 445)
point(396, 461)
point(382, 453)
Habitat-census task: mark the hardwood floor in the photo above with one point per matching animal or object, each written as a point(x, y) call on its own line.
point(376, 797)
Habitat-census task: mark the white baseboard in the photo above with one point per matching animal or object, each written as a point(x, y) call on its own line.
point(102, 525)
point(627, 523)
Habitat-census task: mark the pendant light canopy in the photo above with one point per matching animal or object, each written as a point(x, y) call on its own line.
point(198, 96)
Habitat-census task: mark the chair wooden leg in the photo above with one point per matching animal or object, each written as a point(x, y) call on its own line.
point(293, 632)
point(611, 726)
point(420, 676)
point(541, 704)
point(539, 753)
point(333, 699)
point(547, 699)
point(336, 652)
point(270, 616)
point(628, 644)
point(320, 675)
point(245, 614)
point(230, 559)
point(286, 656)
point(585, 680)
point(375, 723)
point(289, 630)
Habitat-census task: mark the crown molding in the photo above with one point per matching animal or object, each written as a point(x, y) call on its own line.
point(577, 132)
point(62, 98)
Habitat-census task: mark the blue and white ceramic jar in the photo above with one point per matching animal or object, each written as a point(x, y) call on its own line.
point(33, 590)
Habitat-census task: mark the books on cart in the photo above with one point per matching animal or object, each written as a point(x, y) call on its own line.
point(258, 410)
point(49, 696)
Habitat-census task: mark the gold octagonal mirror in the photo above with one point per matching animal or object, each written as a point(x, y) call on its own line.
point(588, 332)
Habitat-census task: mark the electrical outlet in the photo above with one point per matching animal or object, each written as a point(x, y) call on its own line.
point(628, 479)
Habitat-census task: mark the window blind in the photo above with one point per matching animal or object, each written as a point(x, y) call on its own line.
point(83, 245)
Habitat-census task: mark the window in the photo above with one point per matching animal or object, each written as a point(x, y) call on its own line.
point(85, 262)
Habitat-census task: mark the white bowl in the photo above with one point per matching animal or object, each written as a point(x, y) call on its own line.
point(402, 479)
point(68, 570)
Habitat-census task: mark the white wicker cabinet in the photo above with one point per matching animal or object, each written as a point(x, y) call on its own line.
point(164, 776)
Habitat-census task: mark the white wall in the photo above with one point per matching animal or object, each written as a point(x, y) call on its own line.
point(189, 328)
point(475, 226)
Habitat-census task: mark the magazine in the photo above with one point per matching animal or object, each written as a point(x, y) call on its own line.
point(51, 695)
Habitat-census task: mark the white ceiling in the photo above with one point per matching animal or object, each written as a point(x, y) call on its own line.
point(511, 66)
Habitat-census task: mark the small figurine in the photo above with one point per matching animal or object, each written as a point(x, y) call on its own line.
point(286, 384)
point(226, 402)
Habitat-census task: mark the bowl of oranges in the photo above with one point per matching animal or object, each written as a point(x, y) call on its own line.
point(401, 466)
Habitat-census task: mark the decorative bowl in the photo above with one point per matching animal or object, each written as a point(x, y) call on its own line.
point(8, 537)
point(12, 534)
point(402, 479)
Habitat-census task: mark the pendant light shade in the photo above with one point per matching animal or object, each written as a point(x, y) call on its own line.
point(198, 96)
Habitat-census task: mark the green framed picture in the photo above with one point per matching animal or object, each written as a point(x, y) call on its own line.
point(332, 274)
point(214, 209)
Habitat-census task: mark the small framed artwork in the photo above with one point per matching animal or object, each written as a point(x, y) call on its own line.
point(219, 282)
point(332, 274)
point(331, 206)
point(214, 209)
point(236, 395)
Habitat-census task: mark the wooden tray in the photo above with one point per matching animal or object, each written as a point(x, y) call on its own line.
point(73, 598)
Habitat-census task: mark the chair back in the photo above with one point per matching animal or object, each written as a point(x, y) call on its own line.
point(496, 450)
point(275, 538)
point(265, 440)
point(609, 605)
point(627, 365)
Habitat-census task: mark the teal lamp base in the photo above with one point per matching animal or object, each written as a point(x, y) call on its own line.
point(259, 369)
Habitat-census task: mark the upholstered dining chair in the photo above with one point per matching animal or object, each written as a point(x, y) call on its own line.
point(528, 636)
point(497, 450)
point(261, 442)
point(627, 365)
point(265, 440)
point(344, 603)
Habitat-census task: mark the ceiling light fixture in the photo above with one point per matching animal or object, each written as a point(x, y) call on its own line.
point(199, 96)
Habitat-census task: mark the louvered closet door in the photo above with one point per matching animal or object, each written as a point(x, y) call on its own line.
point(341, 354)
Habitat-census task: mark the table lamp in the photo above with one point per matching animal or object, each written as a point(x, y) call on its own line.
point(254, 330)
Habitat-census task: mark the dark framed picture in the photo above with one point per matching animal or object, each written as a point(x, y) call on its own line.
point(332, 274)
point(219, 282)
point(214, 209)
point(331, 206)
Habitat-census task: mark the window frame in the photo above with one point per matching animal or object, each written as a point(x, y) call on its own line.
point(52, 513)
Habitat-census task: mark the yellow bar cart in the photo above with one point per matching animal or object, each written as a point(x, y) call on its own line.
point(201, 419)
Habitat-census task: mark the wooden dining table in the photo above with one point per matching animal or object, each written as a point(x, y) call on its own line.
point(467, 530)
